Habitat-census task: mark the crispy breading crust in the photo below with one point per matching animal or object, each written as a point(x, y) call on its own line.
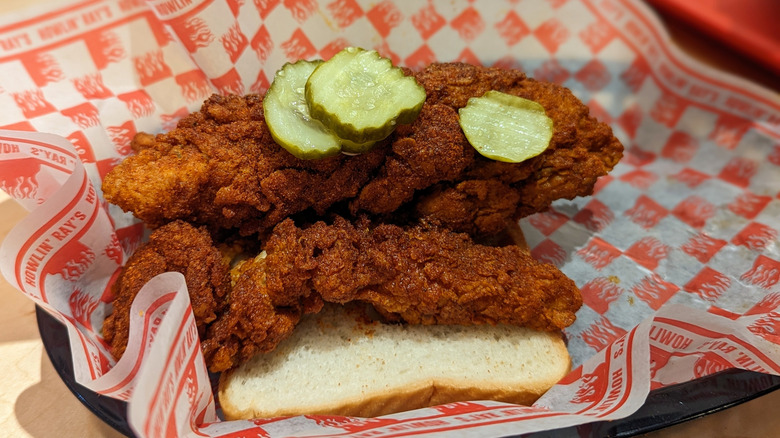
point(220, 167)
point(173, 248)
point(221, 170)
point(414, 274)
point(488, 193)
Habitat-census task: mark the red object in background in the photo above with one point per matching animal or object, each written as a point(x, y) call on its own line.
point(748, 26)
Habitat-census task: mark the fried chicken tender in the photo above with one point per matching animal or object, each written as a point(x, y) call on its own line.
point(581, 150)
point(430, 150)
point(220, 167)
point(415, 274)
point(177, 247)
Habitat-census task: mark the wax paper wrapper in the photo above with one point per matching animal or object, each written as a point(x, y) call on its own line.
point(676, 252)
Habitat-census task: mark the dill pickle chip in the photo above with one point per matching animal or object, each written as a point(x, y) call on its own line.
point(288, 118)
point(504, 127)
point(361, 96)
point(352, 148)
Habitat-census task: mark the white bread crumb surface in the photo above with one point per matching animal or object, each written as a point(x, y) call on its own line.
point(337, 363)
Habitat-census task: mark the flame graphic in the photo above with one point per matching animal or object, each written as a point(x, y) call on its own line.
point(139, 103)
point(739, 171)
point(197, 33)
point(709, 363)
point(260, 86)
point(111, 45)
point(654, 291)
point(597, 35)
point(194, 85)
point(653, 247)
point(18, 177)
point(82, 305)
point(695, 211)
point(640, 179)
point(599, 292)
point(301, 9)
point(469, 24)
point(636, 73)
point(749, 205)
point(646, 212)
point(552, 33)
point(765, 273)
point(548, 221)
point(121, 137)
point(43, 68)
point(343, 12)
point(702, 247)
point(512, 29)
point(73, 269)
point(597, 254)
point(19, 187)
point(729, 131)
point(32, 103)
point(594, 76)
point(552, 71)
point(84, 115)
point(49, 67)
point(234, 42)
point(680, 147)
point(691, 177)
point(667, 109)
point(298, 46)
point(714, 288)
point(91, 86)
point(769, 302)
point(427, 21)
point(262, 44)
point(151, 67)
point(601, 333)
point(114, 250)
point(595, 216)
point(265, 6)
point(758, 237)
point(766, 325)
point(549, 252)
point(593, 386)
point(648, 252)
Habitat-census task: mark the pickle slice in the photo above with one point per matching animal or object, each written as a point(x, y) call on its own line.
point(288, 118)
point(361, 96)
point(351, 148)
point(504, 127)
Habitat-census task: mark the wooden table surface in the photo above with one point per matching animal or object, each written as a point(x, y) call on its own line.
point(34, 402)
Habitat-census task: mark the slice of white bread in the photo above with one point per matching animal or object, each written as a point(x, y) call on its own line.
point(339, 363)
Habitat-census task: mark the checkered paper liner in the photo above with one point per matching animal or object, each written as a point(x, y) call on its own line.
point(676, 253)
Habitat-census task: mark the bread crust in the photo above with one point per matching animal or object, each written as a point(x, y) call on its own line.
point(402, 399)
point(412, 393)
